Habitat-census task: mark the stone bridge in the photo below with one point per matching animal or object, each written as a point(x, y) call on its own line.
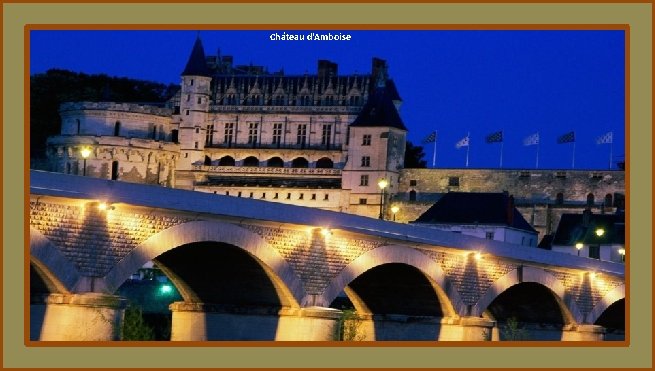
point(255, 270)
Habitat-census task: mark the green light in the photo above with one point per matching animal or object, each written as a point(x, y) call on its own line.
point(165, 289)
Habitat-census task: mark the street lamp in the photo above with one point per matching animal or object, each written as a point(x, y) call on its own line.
point(394, 210)
point(600, 232)
point(86, 152)
point(622, 253)
point(382, 183)
point(579, 246)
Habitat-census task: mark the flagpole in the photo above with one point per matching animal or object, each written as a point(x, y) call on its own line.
point(573, 160)
point(434, 150)
point(611, 147)
point(501, 154)
point(468, 145)
point(537, 165)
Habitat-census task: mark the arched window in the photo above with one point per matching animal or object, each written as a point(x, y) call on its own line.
point(78, 125)
point(275, 162)
point(114, 170)
point(208, 161)
point(68, 168)
point(608, 200)
point(226, 161)
point(559, 198)
point(324, 163)
point(590, 199)
point(251, 161)
point(117, 128)
point(412, 195)
point(300, 162)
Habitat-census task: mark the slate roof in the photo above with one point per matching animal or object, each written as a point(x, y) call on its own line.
point(197, 66)
point(380, 110)
point(475, 208)
point(573, 229)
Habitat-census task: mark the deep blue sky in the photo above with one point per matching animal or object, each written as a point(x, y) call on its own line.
point(455, 82)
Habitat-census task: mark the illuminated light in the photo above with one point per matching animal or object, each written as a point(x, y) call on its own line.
point(85, 152)
point(326, 232)
point(165, 289)
point(383, 183)
point(394, 209)
point(478, 255)
point(622, 251)
point(593, 275)
point(102, 206)
point(579, 245)
point(600, 232)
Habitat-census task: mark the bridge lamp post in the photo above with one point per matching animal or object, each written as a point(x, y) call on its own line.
point(394, 210)
point(622, 253)
point(579, 246)
point(85, 152)
point(600, 232)
point(382, 183)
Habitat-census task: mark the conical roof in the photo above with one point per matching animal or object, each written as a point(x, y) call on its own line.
point(380, 110)
point(197, 66)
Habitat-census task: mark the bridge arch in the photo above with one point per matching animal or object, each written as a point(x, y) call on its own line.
point(524, 274)
point(389, 254)
point(610, 298)
point(51, 264)
point(282, 276)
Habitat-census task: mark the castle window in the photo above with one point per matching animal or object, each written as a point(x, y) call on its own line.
point(489, 235)
point(277, 134)
point(153, 131)
point(288, 196)
point(251, 195)
point(263, 196)
point(197, 130)
point(174, 136)
point(363, 180)
point(252, 133)
point(229, 133)
point(354, 100)
point(366, 161)
point(412, 195)
point(363, 201)
point(239, 194)
point(594, 251)
point(275, 196)
point(68, 168)
point(117, 128)
point(209, 136)
point(313, 196)
point(300, 162)
point(188, 97)
point(608, 200)
point(191, 82)
point(114, 170)
point(412, 183)
point(275, 162)
point(559, 199)
point(453, 181)
point(226, 161)
point(327, 197)
point(227, 193)
point(366, 140)
point(78, 125)
point(186, 112)
point(199, 100)
point(195, 145)
point(590, 199)
point(302, 196)
point(324, 163)
point(326, 136)
point(251, 161)
point(301, 138)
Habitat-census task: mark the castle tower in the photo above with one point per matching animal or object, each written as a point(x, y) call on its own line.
point(194, 108)
point(376, 151)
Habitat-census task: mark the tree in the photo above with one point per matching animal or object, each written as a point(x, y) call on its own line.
point(414, 156)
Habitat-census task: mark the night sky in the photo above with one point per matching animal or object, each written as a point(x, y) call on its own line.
point(455, 82)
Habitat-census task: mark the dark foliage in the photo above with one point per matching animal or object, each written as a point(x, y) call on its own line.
point(48, 90)
point(414, 156)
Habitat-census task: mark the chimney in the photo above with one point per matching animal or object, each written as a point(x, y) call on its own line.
point(510, 210)
point(326, 69)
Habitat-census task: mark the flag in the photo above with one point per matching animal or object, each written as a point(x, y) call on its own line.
point(431, 138)
point(605, 139)
point(566, 138)
point(462, 143)
point(531, 140)
point(495, 137)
